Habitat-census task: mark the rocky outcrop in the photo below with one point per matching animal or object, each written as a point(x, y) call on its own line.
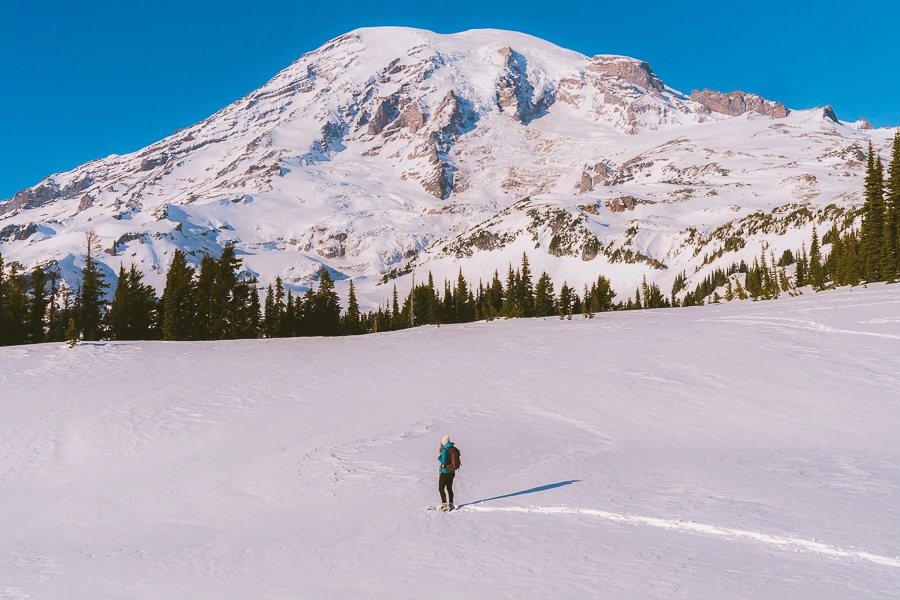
point(634, 71)
point(17, 232)
point(450, 121)
point(386, 112)
point(862, 125)
point(737, 103)
point(46, 192)
point(516, 97)
point(829, 114)
point(148, 164)
point(85, 202)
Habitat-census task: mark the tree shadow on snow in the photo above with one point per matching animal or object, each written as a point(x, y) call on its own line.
point(542, 488)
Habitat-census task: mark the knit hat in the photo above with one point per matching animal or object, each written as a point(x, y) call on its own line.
point(445, 440)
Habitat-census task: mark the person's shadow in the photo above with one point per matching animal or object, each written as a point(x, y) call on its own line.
point(542, 488)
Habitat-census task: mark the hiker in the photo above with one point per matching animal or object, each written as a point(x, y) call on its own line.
point(449, 459)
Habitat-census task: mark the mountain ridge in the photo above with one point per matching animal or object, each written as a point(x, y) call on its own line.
point(363, 154)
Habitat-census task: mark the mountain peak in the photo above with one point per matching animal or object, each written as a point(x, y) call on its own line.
point(391, 149)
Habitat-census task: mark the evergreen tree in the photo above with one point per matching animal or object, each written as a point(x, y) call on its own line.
point(327, 308)
point(179, 300)
point(891, 260)
point(564, 305)
point(352, 318)
point(600, 297)
point(206, 301)
point(92, 293)
point(463, 302)
point(395, 311)
point(14, 307)
point(872, 231)
point(525, 289)
point(816, 272)
point(544, 301)
point(37, 307)
point(132, 314)
point(225, 306)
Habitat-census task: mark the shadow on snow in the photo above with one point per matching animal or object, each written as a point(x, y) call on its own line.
point(542, 488)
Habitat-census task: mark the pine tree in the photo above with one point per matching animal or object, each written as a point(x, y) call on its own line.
point(464, 307)
point(872, 230)
point(92, 294)
point(395, 311)
point(352, 318)
point(544, 301)
point(179, 300)
point(327, 309)
point(4, 308)
point(225, 306)
point(816, 273)
point(564, 305)
point(526, 289)
point(37, 307)
point(891, 261)
point(132, 314)
point(14, 307)
point(270, 327)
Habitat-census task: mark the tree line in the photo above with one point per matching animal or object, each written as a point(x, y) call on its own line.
point(218, 300)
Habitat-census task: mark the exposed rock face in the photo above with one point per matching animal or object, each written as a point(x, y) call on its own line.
point(148, 164)
point(829, 114)
point(737, 103)
point(862, 125)
point(48, 191)
point(633, 71)
point(17, 232)
point(85, 202)
point(515, 93)
point(587, 182)
point(449, 122)
point(385, 113)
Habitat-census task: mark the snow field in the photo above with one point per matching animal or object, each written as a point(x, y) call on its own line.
point(734, 451)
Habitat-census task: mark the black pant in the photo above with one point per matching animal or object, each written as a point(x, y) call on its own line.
point(446, 481)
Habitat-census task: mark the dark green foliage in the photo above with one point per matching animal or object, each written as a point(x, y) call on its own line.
point(873, 225)
point(353, 318)
point(37, 306)
point(599, 297)
point(132, 314)
point(544, 300)
point(787, 258)
point(816, 271)
point(91, 299)
point(179, 300)
point(13, 307)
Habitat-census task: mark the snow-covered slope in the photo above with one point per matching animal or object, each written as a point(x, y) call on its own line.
point(392, 144)
point(740, 451)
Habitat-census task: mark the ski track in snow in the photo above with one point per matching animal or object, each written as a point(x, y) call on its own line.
point(800, 324)
point(692, 527)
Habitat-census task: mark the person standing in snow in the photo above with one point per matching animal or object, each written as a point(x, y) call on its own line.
point(449, 459)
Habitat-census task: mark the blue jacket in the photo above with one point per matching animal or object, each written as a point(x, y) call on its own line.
point(443, 457)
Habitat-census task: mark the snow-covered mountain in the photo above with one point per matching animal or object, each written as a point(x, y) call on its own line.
point(401, 150)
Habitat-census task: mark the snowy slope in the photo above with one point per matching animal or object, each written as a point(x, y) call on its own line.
point(392, 144)
point(737, 451)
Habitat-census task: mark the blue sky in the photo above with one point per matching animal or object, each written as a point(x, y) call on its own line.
point(82, 80)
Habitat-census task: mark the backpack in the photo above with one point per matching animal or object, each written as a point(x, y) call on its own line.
point(453, 461)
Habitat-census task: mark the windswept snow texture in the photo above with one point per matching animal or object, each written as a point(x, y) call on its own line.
point(738, 451)
point(394, 149)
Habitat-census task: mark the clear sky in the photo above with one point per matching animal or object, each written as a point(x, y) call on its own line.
point(82, 80)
